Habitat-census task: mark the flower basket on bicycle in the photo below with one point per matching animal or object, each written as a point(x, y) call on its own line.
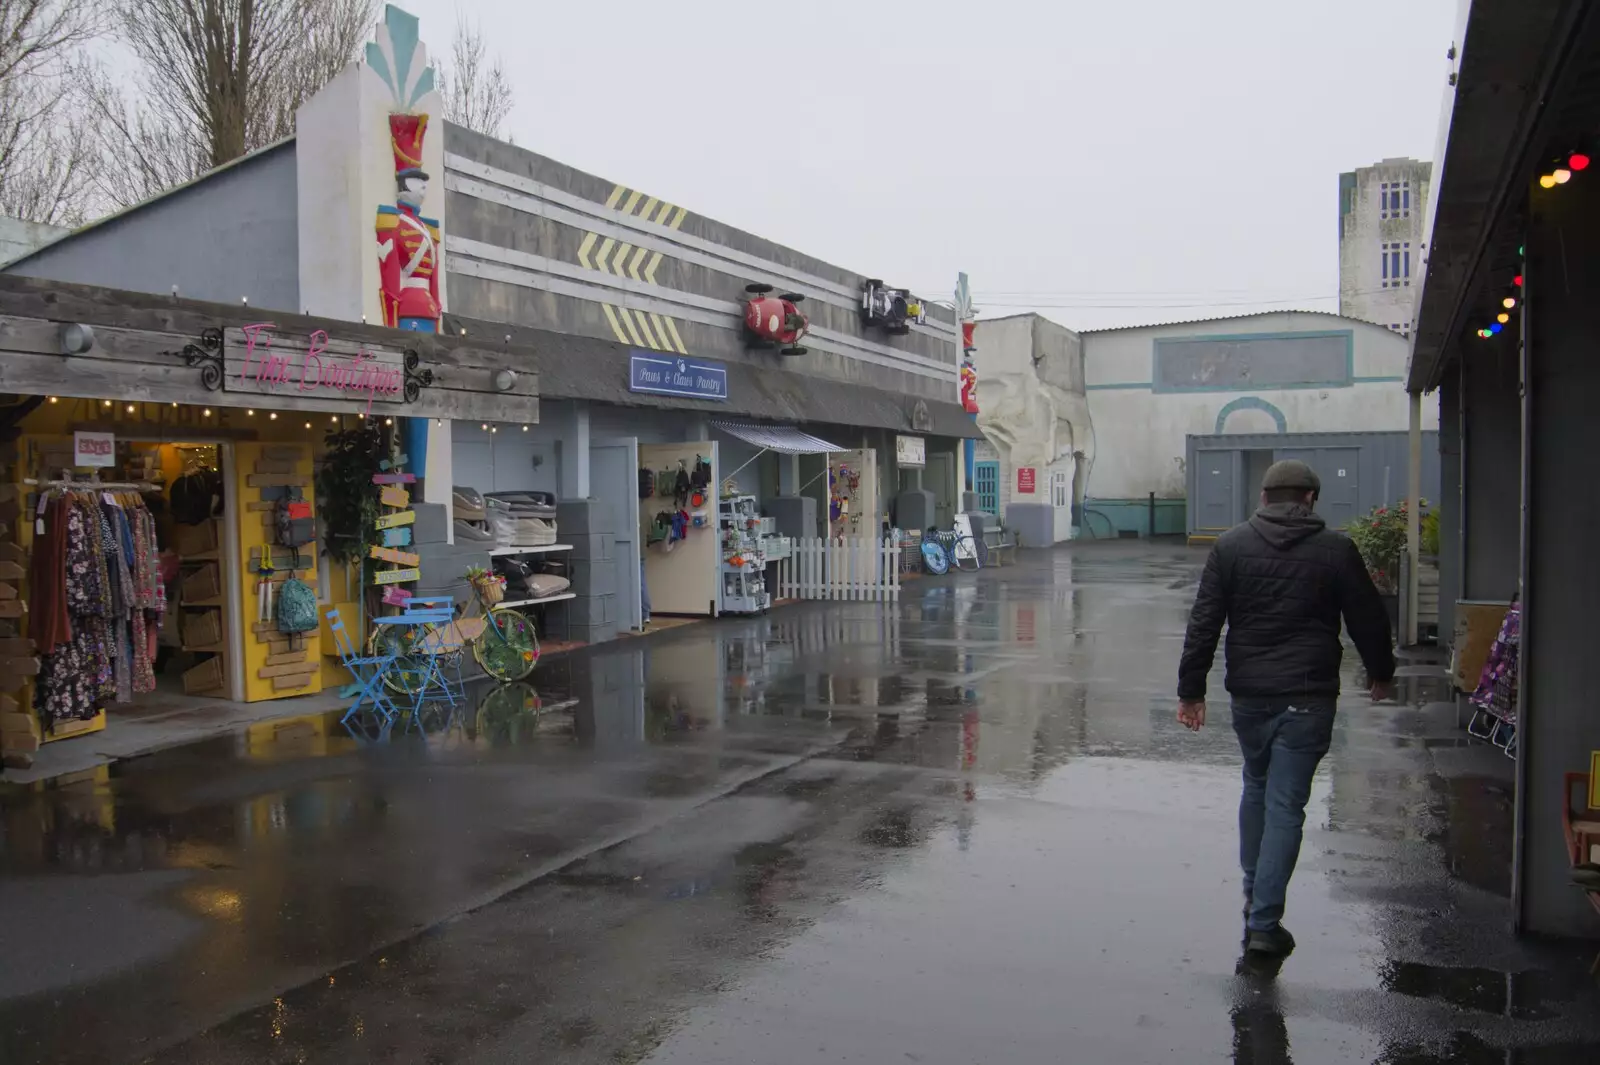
point(490, 588)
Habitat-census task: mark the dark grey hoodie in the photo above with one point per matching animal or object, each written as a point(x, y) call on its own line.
point(1283, 582)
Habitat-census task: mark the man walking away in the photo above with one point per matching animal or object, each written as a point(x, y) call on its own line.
point(1281, 581)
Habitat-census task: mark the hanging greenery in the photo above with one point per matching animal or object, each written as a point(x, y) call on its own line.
point(346, 495)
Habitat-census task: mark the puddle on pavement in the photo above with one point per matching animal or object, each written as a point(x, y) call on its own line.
point(1464, 1048)
point(1523, 996)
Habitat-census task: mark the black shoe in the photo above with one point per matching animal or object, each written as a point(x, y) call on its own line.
point(1277, 943)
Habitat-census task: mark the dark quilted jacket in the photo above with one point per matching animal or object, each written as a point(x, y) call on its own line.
point(1282, 581)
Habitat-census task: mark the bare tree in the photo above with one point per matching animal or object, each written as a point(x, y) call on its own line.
point(47, 152)
point(476, 91)
point(218, 78)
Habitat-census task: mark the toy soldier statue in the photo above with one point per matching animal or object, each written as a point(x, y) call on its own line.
point(408, 244)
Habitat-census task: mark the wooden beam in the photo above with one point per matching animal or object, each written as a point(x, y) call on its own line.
point(7, 591)
point(277, 480)
point(8, 705)
point(394, 478)
point(292, 681)
point(395, 496)
point(286, 658)
point(276, 466)
point(393, 521)
point(12, 608)
point(12, 553)
point(395, 555)
point(396, 576)
point(12, 571)
point(15, 646)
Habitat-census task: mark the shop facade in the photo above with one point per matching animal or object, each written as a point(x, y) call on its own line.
point(1507, 326)
point(179, 443)
point(634, 313)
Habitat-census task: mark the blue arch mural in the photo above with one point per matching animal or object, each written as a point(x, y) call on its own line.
point(1252, 403)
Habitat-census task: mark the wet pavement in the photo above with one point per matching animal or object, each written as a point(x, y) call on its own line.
point(962, 829)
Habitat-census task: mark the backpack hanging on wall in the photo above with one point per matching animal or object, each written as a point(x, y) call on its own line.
point(297, 607)
point(647, 483)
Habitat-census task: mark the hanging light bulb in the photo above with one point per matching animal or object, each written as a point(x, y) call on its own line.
point(484, 427)
point(250, 413)
point(55, 399)
point(1547, 181)
point(1496, 327)
point(1517, 280)
point(388, 421)
point(1502, 318)
point(206, 413)
point(1562, 175)
point(1578, 161)
point(107, 402)
point(1509, 302)
point(308, 425)
point(274, 417)
point(524, 428)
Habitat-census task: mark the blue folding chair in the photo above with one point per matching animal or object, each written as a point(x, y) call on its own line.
point(367, 670)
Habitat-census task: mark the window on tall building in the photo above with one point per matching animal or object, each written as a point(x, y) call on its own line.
point(1395, 264)
point(1394, 199)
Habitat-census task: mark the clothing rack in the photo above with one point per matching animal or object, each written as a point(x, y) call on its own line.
point(94, 485)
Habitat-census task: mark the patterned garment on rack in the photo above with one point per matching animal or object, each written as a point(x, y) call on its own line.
point(1497, 686)
point(73, 678)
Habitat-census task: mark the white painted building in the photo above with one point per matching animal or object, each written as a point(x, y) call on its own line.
point(1035, 418)
point(1382, 241)
point(1149, 387)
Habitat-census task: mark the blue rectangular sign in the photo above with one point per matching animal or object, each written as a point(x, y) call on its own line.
point(676, 375)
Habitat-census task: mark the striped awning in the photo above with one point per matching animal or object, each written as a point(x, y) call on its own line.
point(784, 438)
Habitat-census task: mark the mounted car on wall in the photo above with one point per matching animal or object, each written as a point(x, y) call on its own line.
point(774, 321)
point(894, 310)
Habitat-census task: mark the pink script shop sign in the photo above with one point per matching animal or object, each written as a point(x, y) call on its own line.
point(256, 358)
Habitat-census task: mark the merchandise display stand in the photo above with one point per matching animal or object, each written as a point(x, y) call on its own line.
point(744, 561)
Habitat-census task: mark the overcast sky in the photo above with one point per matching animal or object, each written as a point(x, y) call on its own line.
point(1103, 163)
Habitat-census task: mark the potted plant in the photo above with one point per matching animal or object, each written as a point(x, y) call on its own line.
point(1380, 536)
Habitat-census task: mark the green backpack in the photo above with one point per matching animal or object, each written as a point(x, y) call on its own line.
point(297, 607)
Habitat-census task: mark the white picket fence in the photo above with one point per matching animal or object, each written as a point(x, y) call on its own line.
point(861, 568)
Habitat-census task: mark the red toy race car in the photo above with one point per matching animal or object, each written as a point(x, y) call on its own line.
point(774, 321)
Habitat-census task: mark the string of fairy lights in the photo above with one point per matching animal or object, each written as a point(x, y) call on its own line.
point(1561, 170)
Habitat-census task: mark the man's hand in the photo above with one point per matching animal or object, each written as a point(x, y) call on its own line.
point(1192, 715)
point(1382, 691)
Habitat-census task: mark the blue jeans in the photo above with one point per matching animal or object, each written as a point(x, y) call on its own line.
point(1283, 740)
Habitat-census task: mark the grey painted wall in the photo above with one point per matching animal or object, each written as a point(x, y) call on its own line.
point(1558, 724)
point(1491, 443)
point(1449, 502)
point(472, 217)
point(1378, 452)
point(229, 235)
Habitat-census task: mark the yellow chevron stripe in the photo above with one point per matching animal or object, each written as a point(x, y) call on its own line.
point(600, 256)
point(633, 201)
point(649, 334)
point(619, 263)
point(650, 271)
point(616, 326)
point(633, 265)
point(678, 221)
point(661, 215)
point(677, 341)
point(649, 205)
point(583, 251)
point(661, 331)
point(616, 194)
point(627, 320)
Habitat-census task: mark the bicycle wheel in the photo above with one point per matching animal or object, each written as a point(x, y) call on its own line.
point(409, 673)
point(508, 648)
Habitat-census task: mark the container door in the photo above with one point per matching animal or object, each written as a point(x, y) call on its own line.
point(1339, 468)
point(614, 478)
point(1215, 498)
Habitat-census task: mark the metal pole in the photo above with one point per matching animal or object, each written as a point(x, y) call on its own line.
point(1414, 521)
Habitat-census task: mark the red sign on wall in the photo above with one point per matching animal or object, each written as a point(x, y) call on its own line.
point(1027, 477)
